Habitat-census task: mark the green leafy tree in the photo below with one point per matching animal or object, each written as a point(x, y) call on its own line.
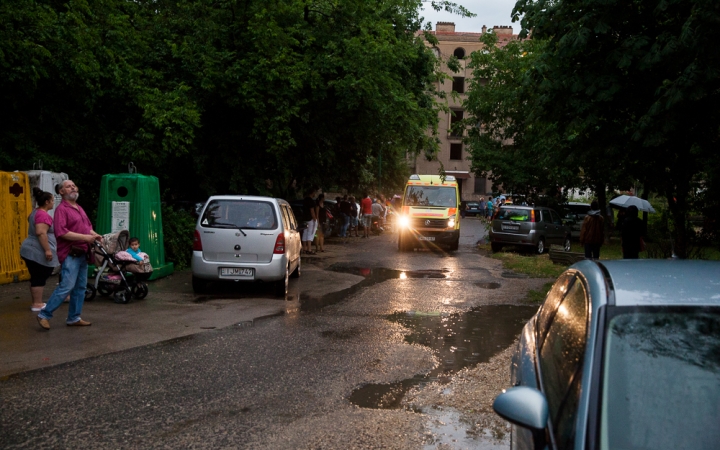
point(633, 88)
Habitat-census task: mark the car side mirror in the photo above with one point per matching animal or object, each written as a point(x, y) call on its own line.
point(523, 406)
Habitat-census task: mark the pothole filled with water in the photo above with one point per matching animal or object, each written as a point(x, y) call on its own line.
point(459, 340)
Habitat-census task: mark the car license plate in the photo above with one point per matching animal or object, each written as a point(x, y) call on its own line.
point(235, 272)
point(426, 238)
point(510, 227)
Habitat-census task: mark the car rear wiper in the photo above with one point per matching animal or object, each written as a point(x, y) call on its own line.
point(229, 225)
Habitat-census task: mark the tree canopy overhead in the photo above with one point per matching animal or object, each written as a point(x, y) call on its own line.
point(626, 91)
point(226, 96)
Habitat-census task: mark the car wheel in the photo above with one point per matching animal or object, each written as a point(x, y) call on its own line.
point(495, 247)
point(199, 285)
point(296, 272)
point(567, 245)
point(455, 245)
point(281, 286)
point(540, 248)
point(90, 293)
point(401, 243)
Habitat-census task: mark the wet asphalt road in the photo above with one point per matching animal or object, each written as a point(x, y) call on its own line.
point(285, 382)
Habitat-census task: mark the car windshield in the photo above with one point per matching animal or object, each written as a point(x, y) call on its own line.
point(243, 214)
point(661, 381)
point(430, 196)
point(516, 214)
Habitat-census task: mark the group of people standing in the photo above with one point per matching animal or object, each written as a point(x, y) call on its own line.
point(65, 240)
point(592, 232)
point(348, 212)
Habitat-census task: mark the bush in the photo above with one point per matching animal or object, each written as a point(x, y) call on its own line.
point(178, 228)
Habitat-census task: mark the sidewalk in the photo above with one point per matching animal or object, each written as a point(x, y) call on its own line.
point(171, 310)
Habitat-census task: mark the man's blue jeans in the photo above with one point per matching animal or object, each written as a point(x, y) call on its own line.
point(345, 225)
point(74, 282)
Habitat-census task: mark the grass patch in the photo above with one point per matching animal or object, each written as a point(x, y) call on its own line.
point(535, 266)
point(538, 296)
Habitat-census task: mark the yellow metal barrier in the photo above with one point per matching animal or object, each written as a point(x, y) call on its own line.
point(15, 207)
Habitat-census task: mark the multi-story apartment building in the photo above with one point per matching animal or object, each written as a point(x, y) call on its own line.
point(453, 155)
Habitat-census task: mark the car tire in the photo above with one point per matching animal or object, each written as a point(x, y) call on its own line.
point(281, 286)
point(296, 272)
point(199, 285)
point(455, 245)
point(495, 247)
point(567, 244)
point(540, 247)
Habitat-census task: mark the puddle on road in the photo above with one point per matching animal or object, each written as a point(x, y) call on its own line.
point(459, 340)
point(372, 276)
point(447, 429)
point(488, 285)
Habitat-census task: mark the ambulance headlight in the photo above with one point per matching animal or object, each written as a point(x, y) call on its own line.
point(403, 221)
point(451, 222)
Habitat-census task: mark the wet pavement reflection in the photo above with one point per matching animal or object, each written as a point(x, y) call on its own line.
point(458, 340)
point(372, 276)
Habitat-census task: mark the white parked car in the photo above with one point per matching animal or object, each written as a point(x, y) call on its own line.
point(247, 239)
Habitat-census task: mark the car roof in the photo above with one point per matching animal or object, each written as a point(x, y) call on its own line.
point(246, 197)
point(652, 282)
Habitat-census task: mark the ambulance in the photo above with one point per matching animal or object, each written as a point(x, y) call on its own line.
point(430, 213)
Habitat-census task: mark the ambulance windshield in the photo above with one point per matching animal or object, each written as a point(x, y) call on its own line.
point(438, 196)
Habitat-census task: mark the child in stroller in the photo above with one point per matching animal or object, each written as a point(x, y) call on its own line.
point(117, 271)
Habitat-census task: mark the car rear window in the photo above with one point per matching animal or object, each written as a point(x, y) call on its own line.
point(515, 214)
point(661, 380)
point(245, 214)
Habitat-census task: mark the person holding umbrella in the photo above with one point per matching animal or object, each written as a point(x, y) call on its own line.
point(632, 241)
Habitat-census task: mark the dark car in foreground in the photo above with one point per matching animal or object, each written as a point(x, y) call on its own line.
point(621, 355)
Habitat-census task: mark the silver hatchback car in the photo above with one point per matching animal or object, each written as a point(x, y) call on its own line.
point(529, 226)
point(247, 239)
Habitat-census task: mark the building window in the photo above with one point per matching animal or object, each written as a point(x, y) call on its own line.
point(459, 53)
point(456, 117)
point(455, 151)
point(459, 85)
point(480, 185)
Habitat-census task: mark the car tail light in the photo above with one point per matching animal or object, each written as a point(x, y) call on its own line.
point(532, 215)
point(197, 243)
point(279, 244)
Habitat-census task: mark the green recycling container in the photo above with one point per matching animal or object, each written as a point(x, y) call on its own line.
point(131, 201)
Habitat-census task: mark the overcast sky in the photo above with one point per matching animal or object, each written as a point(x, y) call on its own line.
point(489, 12)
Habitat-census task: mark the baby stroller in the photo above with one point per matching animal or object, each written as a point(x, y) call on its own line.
point(116, 272)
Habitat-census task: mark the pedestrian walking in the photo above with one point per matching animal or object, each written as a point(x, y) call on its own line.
point(310, 219)
point(366, 211)
point(463, 209)
point(346, 215)
point(74, 234)
point(490, 207)
point(39, 249)
point(481, 206)
point(321, 214)
point(632, 228)
point(354, 213)
point(592, 231)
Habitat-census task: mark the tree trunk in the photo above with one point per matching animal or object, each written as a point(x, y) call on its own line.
point(677, 202)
